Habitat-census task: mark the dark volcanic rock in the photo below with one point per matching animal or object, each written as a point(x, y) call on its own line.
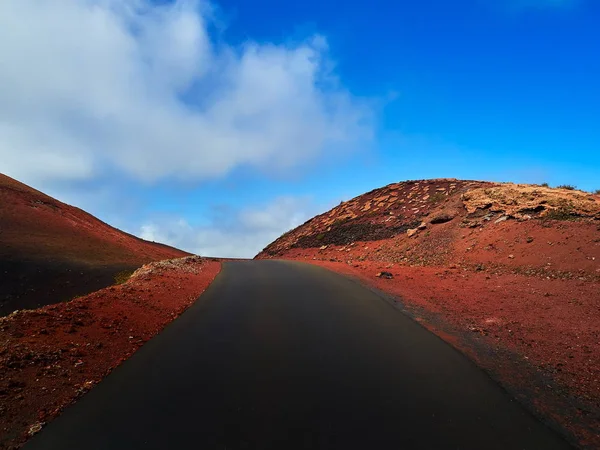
point(442, 218)
point(387, 275)
point(346, 233)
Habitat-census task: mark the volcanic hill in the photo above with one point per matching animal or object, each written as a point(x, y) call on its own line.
point(509, 274)
point(460, 223)
point(51, 252)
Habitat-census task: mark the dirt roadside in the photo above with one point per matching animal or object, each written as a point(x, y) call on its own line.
point(538, 337)
point(51, 356)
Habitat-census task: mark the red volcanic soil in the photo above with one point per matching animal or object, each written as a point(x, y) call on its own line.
point(509, 274)
point(50, 251)
point(539, 338)
point(51, 356)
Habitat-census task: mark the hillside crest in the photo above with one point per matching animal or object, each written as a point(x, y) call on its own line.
point(431, 222)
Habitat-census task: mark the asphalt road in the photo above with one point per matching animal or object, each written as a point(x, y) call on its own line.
point(282, 355)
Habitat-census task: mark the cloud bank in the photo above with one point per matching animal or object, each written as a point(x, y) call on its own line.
point(149, 91)
point(229, 233)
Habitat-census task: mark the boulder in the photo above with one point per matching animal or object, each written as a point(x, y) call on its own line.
point(441, 218)
point(386, 275)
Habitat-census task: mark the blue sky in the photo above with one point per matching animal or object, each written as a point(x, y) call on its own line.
point(217, 126)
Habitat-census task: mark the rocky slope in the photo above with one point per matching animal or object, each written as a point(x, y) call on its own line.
point(50, 251)
point(452, 222)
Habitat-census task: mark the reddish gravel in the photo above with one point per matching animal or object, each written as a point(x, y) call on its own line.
point(539, 337)
point(51, 356)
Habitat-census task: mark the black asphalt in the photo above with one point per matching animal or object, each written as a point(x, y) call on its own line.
point(282, 355)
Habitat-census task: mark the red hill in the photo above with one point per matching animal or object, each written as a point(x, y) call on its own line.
point(452, 222)
point(51, 251)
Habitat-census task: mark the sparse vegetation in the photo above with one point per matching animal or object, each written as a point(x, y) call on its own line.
point(352, 232)
point(123, 276)
point(437, 197)
point(569, 187)
point(339, 222)
point(561, 213)
point(597, 192)
point(544, 185)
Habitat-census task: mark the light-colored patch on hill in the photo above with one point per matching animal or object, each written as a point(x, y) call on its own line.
point(188, 264)
point(523, 201)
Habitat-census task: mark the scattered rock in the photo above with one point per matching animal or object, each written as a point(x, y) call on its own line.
point(386, 275)
point(501, 219)
point(16, 384)
point(412, 232)
point(441, 218)
point(35, 428)
point(422, 226)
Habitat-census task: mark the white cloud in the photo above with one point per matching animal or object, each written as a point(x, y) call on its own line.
point(92, 87)
point(239, 234)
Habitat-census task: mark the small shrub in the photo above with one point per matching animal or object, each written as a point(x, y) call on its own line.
point(597, 192)
point(339, 222)
point(123, 276)
point(437, 197)
point(320, 236)
point(544, 185)
point(569, 187)
point(562, 213)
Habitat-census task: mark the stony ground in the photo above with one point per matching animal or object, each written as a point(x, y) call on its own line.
point(52, 355)
point(538, 337)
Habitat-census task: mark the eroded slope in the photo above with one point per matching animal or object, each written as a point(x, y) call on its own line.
point(51, 251)
point(447, 221)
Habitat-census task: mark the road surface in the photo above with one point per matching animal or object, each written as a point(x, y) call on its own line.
point(284, 355)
